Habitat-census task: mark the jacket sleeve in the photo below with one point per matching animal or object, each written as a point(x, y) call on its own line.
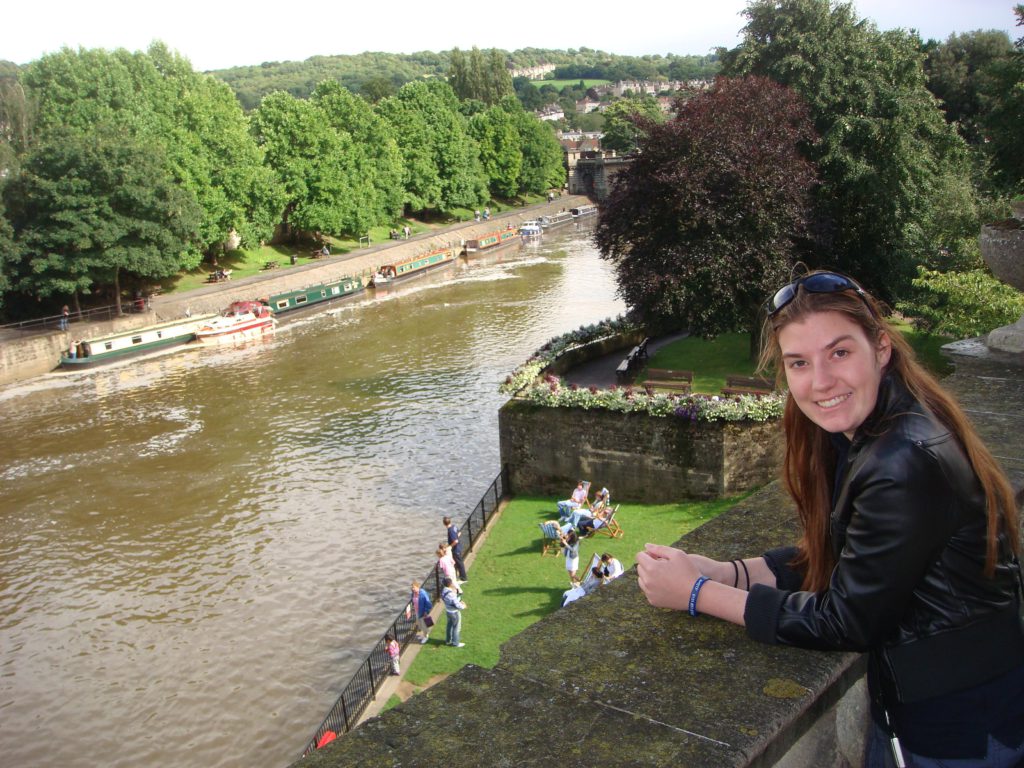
point(903, 512)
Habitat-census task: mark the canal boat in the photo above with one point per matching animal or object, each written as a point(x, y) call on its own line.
point(492, 240)
point(583, 210)
point(530, 229)
point(100, 350)
point(555, 220)
point(320, 293)
point(414, 265)
point(240, 317)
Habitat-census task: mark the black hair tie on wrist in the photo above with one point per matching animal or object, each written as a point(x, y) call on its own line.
point(735, 575)
point(745, 573)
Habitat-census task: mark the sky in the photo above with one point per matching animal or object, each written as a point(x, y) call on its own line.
point(217, 34)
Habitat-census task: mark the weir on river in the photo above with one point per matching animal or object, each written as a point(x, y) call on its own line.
point(198, 549)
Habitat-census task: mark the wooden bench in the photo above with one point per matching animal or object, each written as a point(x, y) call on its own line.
point(272, 264)
point(747, 385)
point(664, 378)
point(632, 361)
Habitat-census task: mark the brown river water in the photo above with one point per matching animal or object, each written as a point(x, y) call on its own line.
point(197, 550)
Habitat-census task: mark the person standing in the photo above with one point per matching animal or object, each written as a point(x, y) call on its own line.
point(394, 654)
point(453, 608)
point(64, 315)
point(456, 547)
point(419, 605)
point(571, 543)
point(910, 538)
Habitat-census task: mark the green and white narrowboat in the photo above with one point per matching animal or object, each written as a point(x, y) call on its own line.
point(400, 270)
point(315, 294)
point(492, 240)
point(88, 353)
point(582, 211)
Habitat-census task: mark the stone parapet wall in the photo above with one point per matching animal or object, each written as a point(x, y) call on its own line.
point(641, 458)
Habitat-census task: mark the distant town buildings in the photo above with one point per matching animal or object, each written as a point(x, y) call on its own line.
point(534, 73)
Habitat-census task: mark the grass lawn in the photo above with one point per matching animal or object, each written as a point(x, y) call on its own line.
point(711, 361)
point(560, 84)
point(511, 585)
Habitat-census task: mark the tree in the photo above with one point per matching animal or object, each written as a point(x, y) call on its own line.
point(709, 216)
point(477, 77)
point(87, 210)
point(313, 162)
point(375, 157)
point(956, 72)
point(961, 304)
point(9, 252)
point(886, 157)
point(501, 154)
point(1003, 100)
point(543, 165)
point(621, 129)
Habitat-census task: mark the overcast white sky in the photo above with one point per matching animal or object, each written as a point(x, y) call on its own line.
point(215, 34)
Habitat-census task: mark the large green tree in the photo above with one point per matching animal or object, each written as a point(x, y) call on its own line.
point(1003, 103)
point(89, 210)
point(479, 77)
point(193, 119)
point(375, 156)
point(441, 161)
point(621, 131)
point(891, 168)
point(314, 162)
point(710, 215)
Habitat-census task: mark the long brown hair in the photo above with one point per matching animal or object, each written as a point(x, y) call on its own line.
point(810, 458)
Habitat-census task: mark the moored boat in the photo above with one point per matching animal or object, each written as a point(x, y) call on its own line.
point(314, 294)
point(555, 219)
point(492, 240)
point(240, 317)
point(530, 229)
point(100, 350)
point(583, 210)
point(389, 273)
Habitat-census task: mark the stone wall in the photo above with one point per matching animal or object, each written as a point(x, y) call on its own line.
point(642, 458)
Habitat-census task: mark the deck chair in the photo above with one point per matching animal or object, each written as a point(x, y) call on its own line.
point(611, 526)
point(590, 581)
point(552, 537)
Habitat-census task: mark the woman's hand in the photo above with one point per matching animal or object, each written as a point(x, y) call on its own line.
point(667, 575)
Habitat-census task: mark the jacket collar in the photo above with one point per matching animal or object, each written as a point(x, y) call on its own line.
point(893, 399)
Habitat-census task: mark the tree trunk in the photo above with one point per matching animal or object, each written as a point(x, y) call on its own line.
point(117, 290)
point(78, 304)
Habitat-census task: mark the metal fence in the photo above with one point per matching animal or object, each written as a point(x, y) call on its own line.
point(374, 670)
point(95, 314)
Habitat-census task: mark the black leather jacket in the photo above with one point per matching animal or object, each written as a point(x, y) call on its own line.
point(908, 529)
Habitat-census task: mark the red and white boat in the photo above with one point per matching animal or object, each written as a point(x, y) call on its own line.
point(248, 317)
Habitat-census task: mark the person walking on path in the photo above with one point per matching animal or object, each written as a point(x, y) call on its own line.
point(420, 605)
point(456, 545)
point(453, 608)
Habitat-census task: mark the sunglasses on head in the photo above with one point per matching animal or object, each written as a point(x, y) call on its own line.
point(819, 282)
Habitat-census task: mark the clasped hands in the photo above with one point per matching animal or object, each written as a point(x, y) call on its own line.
point(667, 574)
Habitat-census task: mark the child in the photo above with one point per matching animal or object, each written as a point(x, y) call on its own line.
point(393, 652)
point(571, 543)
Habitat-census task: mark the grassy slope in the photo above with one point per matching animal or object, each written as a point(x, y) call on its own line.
point(511, 585)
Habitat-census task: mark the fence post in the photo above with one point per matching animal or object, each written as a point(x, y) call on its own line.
point(344, 713)
point(469, 524)
point(369, 668)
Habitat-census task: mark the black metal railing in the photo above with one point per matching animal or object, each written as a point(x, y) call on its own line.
point(372, 673)
point(95, 314)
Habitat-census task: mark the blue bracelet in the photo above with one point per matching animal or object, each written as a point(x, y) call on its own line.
point(694, 592)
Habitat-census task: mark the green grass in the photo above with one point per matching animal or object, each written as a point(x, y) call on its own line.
point(711, 361)
point(560, 84)
point(926, 347)
point(511, 585)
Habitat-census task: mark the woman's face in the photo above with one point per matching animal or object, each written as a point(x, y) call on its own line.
point(833, 370)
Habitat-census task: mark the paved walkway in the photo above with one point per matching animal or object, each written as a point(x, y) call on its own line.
point(600, 372)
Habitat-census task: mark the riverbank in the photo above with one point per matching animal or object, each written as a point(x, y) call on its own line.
point(25, 355)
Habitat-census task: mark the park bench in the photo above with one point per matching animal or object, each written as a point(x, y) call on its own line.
point(747, 385)
point(632, 361)
point(679, 382)
point(219, 276)
point(272, 264)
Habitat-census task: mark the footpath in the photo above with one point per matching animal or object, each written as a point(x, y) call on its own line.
point(24, 354)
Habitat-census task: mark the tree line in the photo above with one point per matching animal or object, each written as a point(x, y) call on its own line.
point(121, 167)
point(829, 142)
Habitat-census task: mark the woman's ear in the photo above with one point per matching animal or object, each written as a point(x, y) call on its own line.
point(884, 349)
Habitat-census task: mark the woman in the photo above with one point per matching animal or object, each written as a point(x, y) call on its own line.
point(446, 564)
point(909, 538)
point(571, 543)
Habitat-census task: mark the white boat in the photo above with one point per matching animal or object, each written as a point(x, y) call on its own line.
point(88, 353)
point(583, 210)
point(530, 228)
point(240, 317)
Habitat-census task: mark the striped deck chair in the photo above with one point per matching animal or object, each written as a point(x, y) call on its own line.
point(552, 537)
point(611, 525)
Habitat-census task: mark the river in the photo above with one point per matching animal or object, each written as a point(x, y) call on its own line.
point(197, 550)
